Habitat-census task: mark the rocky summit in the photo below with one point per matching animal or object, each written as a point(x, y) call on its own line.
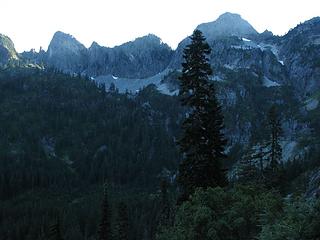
point(66, 53)
point(228, 24)
point(7, 51)
point(141, 58)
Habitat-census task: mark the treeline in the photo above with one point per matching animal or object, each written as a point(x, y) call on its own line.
point(61, 137)
point(58, 130)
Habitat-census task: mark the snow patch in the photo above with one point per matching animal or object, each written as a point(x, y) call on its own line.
point(274, 49)
point(163, 88)
point(312, 104)
point(133, 85)
point(269, 83)
point(131, 57)
point(270, 47)
point(243, 47)
point(229, 66)
point(246, 40)
point(255, 74)
point(288, 148)
point(217, 78)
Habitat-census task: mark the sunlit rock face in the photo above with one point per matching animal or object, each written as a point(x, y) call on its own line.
point(66, 53)
point(141, 58)
point(7, 50)
point(228, 24)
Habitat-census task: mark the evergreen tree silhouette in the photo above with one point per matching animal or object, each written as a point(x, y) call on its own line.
point(104, 232)
point(203, 142)
point(275, 135)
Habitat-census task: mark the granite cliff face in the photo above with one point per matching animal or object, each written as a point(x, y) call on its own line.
point(66, 53)
point(300, 49)
point(141, 58)
point(292, 59)
point(237, 45)
point(228, 24)
point(7, 51)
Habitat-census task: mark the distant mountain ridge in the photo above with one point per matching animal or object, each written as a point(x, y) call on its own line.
point(292, 59)
point(144, 57)
point(141, 58)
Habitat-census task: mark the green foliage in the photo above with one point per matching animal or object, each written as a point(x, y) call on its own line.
point(61, 136)
point(59, 130)
point(299, 221)
point(216, 213)
point(250, 168)
point(244, 212)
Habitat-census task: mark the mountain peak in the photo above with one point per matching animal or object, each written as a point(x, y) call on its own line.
point(59, 34)
point(7, 50)
point(61, 37)
point(6, 41)
point(150, 38)
point(315, 20)
point(310, 29)
point(147, 41)
point(64, 41)
point(227, 16)
point(227, 24)
point(94, 44)
point(65, 52)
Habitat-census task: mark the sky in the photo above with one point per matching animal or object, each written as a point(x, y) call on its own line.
point(32, 23)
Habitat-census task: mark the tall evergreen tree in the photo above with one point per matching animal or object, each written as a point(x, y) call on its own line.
point(104, 232)
point(122, 222)
point(275, 153)
point(274, 171)
point(203, 142)
point(251, 165)
point(247, 169)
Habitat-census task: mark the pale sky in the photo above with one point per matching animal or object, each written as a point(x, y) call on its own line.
point(32, 23)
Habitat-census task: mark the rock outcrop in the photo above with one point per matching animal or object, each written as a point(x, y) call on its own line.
point(7, 51)
point(66, 53)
